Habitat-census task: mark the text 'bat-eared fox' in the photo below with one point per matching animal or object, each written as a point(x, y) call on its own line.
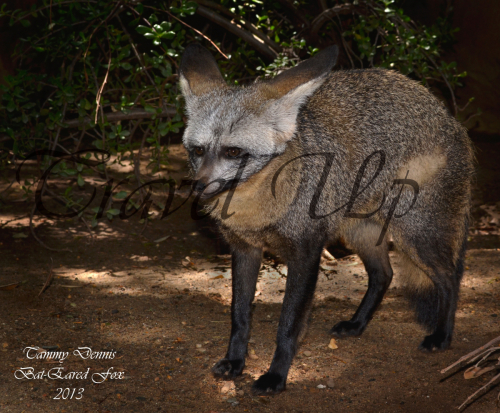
point(292, 164)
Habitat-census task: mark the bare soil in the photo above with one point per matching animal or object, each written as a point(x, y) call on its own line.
point(162, 306)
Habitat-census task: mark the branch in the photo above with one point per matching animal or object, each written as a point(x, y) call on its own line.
point(118, 116)
point(181, 22)
point(463, 360)
point(326, 15)
point(481, 391)
point(257, 44)
point(49, 278)
point(250, 27)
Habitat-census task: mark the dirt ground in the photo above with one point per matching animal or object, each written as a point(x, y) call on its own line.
point(158, 303)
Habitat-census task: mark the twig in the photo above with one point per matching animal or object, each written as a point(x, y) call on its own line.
point(339, 359)
point(326, 15)
point(247, 25)
point(256, 43)
point(200, 33)
point(182, 22)
point(49, 278)
point(461, 109)
point(99, 92)
point(463, 360)
point(472, 116)
point(481, 391)
point(80, 140)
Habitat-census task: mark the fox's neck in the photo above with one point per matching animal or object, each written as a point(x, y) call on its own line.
point(252, 206)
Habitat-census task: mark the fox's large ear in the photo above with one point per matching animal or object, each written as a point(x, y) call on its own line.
point(198, 72)
point(291, 89)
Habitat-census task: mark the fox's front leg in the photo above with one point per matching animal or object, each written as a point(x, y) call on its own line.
point(300, 286)
point(245, 270)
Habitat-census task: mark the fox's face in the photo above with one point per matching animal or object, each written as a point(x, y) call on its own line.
point(232, 133)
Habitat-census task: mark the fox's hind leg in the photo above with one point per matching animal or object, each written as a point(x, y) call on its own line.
point(362, 238)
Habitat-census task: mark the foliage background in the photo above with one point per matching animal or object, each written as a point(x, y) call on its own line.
point(101, 75)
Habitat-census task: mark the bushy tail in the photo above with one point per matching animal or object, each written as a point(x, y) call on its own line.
point(432, 295)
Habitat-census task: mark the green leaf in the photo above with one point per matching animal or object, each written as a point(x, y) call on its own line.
point(121, 195)
point(143, 29)
point(80, 180)
point(113, 211)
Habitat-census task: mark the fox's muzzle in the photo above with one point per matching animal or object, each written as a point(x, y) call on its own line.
point(207, 189)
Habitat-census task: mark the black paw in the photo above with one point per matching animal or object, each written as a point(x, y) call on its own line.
point(269, 383)
point(347, 329)
point(436, 341)
point(228, 368)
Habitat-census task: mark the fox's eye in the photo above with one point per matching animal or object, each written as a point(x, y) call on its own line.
point(199, 151)
point(233, 152)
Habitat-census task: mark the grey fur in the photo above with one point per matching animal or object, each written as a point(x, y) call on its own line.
point(349, 114)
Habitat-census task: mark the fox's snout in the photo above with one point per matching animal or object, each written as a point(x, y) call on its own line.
point(206, 187)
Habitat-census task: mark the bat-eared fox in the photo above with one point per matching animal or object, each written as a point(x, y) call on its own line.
point(294, 163)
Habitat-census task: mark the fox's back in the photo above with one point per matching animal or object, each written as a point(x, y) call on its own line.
point(357, 113)
point(378, 108)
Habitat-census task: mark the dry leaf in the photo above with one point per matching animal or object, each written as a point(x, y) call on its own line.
point(7, 287)
point(333, 344)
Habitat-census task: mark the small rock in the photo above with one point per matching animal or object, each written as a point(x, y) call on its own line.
point(240, 393)
point(307, 353)
point(330, 383)
point(321, 386)
point(199, 345)
point(115, 311)
point(233, 401)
